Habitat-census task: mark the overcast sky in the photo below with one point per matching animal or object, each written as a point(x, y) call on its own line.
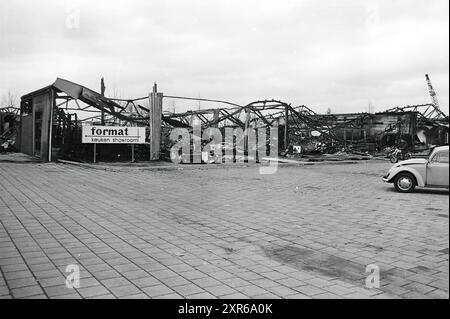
point(337, 54)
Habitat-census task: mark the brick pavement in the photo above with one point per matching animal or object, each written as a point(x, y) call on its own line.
point(304, 232)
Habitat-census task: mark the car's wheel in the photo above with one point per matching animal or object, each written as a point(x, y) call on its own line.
point(405, 182)
point(393, 159)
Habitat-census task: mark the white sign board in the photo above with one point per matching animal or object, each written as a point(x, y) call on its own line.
point(113, 134)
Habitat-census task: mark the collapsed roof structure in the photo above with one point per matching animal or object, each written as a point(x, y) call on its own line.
point(52, 117)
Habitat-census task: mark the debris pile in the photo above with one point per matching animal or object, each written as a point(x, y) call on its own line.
point(9, 122)
point(8, 140)
point(304, 134)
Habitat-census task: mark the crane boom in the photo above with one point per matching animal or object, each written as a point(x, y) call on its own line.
point(432, 92)
point(434, 111)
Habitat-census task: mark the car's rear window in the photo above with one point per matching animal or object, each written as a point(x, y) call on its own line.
point(441, 157)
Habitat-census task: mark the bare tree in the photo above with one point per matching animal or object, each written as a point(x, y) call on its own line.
point(10, 99)
point(117, 94)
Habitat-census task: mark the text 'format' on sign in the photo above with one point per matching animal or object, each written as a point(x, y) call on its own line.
point(113, 134)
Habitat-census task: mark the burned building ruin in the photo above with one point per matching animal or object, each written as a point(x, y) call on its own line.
point(51, 122)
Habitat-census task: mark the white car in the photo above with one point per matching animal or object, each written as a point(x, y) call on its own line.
point(431, 172)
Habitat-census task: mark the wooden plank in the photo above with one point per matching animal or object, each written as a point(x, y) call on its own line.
point(155, 123)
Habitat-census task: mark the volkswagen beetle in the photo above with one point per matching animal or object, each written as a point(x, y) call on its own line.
point(429, 172)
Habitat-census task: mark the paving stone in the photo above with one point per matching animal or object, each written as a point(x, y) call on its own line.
point(26, 291)
point(157, 291)
point(419, 288)
point(170, 296)
point(327, 295)
point(160, 236)
point(115, 282)
point(206, 282)
point(67, 296)
point(22, 282)
point(123, 291)
point(136, 296)
point(281, 291)
point(193, 274)
point(145, 282)
point(440, 294)
point(135, 274)
point(189, 289)
point(235, 296)
point(202, 295)
point(338, 290)
point(297, 296)
point(40, 296)
point(59, 290)
point(310, 290)
point(54, 281)
point(267, 296)
point(220, 290)
point(20, 274)
point(92, 291)
point(4, 290)
point(107, 296)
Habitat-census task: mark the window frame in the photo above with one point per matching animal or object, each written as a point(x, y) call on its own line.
point(436, 157)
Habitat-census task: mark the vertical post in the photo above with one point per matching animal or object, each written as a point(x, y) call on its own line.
point(33, 128)
point(132, 153)
point(413, 129)
point(102, 92)
point(246, 128)
point(216, 117)
point(150, 120)
point(155, 122)
point(345, 137)
point(102, 117)
point(158, 118)
point(50, 129)
point(286, 127)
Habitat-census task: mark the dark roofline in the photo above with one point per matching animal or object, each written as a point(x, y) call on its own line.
point(38, 92)
point(47, 88)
